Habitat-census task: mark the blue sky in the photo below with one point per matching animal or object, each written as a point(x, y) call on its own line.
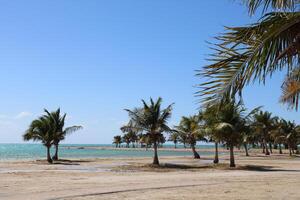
point(94, 58)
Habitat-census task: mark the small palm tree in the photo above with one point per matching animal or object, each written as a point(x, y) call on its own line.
point(291, 133)
point(60, 132)
point(230, 126)
point(152, 120)
point(190, 127)
point(174, 137)
point(263, 124)
point(209, 116)
point(117, 140)
point(42, 130)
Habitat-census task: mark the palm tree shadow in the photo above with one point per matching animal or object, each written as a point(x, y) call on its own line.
point(63, 162)
point(69, 162)
point(263, 168)
point(181, 166)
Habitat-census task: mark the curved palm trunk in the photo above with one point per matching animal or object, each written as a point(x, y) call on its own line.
point(246, 149)
point(263, 148)
point(196, 155)
point(175, 143)
point(216, 160)
point(232, 163)
point(48, 154)
point(155, 158)
point(55, 157)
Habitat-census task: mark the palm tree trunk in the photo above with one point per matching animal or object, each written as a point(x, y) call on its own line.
point(175, 145)
point(246, 148)
point(232, 163)
point(196, 155)
point(263, 148)
point(48, 154)
point(216, 160)
point(155, 158)
point(266, 147)
point(55, 157)
point(280, 149)
point(270, 146)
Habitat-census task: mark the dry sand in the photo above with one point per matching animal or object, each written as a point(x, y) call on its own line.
point(256, 177)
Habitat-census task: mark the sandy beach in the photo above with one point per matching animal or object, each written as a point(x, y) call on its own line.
point(256, 177)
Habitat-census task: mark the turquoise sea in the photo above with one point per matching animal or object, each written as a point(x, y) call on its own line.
point(37, 151)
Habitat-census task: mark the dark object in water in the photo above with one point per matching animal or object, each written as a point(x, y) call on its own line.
point(80, 147)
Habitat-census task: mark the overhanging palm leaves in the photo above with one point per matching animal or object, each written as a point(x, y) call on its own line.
point(285, 5)
point(250, 53)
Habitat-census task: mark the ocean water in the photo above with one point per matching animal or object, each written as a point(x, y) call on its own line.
point(38, 151)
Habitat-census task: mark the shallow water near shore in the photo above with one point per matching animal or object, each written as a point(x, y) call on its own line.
point(37, 151)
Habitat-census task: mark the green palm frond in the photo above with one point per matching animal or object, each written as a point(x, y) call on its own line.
point(286, 5)
point(250, 53)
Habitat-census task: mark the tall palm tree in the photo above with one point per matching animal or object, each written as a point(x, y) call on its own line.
point(190, 126)
point(42, 130)
point(152, 120)
point(60, 131)
point(263, 124)
point(254, 52)
point(117, 140)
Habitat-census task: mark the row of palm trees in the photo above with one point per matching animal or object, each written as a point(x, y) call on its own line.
point(50, 130)
point(228, 124)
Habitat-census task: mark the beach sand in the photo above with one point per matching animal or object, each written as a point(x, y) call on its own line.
point(256, 177)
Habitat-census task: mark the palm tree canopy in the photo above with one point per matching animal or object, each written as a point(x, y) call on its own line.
point(151, 118)
point(190, 127)
point(58, 122)
point(40, 129)
point(291, 89)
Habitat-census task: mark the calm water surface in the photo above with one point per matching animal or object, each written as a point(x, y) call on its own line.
point(37, 151)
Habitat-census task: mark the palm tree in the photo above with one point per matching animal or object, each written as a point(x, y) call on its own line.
point(209, 116)
point(60, 132)
point(174, 137)
point(278, 133)
point(263, 124)
point(152, 120)
point(254, 52)
point(230, 125)
point(183, 139)
point(117, 140)
point(291, 133)
point(42, 130)
point(190, 127)
point(126, 139)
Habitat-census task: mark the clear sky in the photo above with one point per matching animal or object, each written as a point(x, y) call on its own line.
point(94, 58)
